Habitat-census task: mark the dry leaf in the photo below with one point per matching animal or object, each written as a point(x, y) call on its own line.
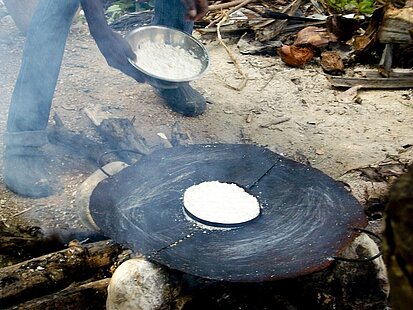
point(312, 36)
point(349, 95)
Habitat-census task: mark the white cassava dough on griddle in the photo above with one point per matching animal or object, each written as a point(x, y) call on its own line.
point(224, 203)
point(167, 61)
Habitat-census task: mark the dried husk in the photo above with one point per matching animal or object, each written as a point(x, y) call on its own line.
point(295, 56)
point(312, 36)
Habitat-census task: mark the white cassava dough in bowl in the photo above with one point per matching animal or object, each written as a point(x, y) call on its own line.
point(221, 203)
point(167, 61)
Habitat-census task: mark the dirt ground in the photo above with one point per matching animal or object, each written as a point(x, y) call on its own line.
point(331, 135)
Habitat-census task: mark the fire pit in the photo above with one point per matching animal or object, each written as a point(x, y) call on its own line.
point(306, 218)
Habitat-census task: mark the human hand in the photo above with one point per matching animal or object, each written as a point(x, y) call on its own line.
point(117, 51)
point(196, 9)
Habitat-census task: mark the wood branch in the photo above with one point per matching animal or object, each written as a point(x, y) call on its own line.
point(87, 296)
point(276, 27)
point(226, 5)
point(372, 83)
point(77, 143)
point(19, 243)
point(396, 25)
point(238, 67)
point(394, 73)
point(225, 15)
point(386, 61)
point(180, 136)
point(122, 135)
point(55, 271)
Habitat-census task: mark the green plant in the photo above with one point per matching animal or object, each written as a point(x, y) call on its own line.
point(120, 7)
point(366, 7)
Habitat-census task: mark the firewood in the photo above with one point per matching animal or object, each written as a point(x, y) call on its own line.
point(89, 296)
point(386, 60)
point(121, 133)
point(78, 143)
point(18, 243)
point(127, 143)
point(398, 79)
point(396, 25)
point(53, 272)
point(275, 28)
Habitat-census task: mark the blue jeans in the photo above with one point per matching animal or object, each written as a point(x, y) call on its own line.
point(42, 57)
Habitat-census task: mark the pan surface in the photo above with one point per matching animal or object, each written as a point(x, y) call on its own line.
point(306, 217)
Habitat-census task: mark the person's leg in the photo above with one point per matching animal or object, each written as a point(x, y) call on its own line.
point(42, 57)
point(171, 13)
point(24, 167)
point(184, 99)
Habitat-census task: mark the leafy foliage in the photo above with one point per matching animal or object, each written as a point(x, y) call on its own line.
point(352, 6)
point(120, 7)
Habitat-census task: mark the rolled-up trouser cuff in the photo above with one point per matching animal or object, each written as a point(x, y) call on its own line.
point(26, 138)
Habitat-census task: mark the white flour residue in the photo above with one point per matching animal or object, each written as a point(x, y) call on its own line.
point(167, 61)
point(223, 203)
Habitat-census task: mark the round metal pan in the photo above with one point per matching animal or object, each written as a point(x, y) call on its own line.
point(306, 217)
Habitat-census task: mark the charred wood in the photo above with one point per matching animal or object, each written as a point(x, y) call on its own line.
point(78, 143)
point(276, 27)
point(53, 272)
point(87, 296)
point(121, 135)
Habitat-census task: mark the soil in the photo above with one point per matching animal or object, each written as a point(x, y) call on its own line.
point(294, 112)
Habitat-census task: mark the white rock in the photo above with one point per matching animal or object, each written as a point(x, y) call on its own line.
point(138, 284)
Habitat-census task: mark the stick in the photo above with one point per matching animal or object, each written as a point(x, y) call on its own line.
point(234, 59)
point(224, 6)
point(386, 60)
point(372, 83)
point(225, 15)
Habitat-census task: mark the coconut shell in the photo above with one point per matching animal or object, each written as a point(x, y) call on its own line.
point(295, 56)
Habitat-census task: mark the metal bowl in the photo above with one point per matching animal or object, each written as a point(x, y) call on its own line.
point(173, 37)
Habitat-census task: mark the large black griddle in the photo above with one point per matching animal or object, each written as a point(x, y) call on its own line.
point(306, 217)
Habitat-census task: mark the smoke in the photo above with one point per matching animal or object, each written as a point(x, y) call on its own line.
point(11, 48)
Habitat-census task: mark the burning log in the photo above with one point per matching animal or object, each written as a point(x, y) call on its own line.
point(17, 243)
point(53, 272)
point(78, 143)
point(92, 294)
point(121, 135)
